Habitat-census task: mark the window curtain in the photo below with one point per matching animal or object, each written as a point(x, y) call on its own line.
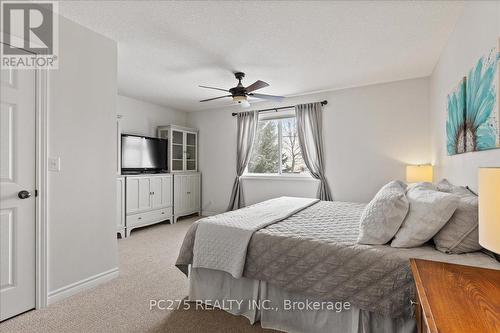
point(247, 127)
point(310, 133)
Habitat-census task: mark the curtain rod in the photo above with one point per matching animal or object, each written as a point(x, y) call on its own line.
point(280, 108)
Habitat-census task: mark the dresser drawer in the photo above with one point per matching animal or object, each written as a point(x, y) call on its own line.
point(153, 216)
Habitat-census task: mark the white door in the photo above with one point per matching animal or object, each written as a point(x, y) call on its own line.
point(177, 151)
point(193, 192)
point(145, 193)
point(166, 191)
point(161, 187)
point(191, 153)
point(196, 192)
point(180, 195)
point(138, 194)
point(186, 193)
point(156, 192)
point(17, 179)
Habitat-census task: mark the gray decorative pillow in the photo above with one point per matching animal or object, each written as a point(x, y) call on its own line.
point(460, 234)
point(429, 211)
point(445, 186)
point(383, 216)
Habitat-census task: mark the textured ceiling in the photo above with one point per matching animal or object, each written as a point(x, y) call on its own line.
point(167, 48)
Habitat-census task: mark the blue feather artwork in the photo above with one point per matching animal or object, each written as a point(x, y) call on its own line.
point(473, 108)
point(455, 124)
point(482, 107)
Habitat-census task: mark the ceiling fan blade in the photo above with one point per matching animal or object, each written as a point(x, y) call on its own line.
point(214, 88)
point(256, 85)
point(211, 99)
point(269, 97)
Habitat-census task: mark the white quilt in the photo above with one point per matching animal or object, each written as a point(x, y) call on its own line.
point(221, 240)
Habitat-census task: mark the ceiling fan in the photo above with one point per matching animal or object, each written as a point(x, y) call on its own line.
point(240, 93)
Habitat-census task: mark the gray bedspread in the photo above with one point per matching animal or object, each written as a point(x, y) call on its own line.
point(314, 252)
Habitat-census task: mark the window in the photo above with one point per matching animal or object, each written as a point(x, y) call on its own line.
point(276, 149)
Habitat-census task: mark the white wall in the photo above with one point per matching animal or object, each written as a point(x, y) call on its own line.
point(370, 134)
point(142, 118)
point(263, 188)
point(81, 113)
point(476, 32)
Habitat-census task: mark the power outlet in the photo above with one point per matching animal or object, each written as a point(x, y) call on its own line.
point(55, 164)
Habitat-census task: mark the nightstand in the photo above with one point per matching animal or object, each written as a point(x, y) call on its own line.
point(456, 298)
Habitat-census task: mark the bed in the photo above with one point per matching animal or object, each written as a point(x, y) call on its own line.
point(308, 255)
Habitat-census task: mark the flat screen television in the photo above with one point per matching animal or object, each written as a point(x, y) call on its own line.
point(143, 154)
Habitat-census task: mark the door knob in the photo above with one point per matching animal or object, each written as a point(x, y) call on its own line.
point(24, 194)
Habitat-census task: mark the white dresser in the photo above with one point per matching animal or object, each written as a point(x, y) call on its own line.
point(148, 200)
point(187, 194)
point(183, 164)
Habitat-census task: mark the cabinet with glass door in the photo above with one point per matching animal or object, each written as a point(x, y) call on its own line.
point(183, 147)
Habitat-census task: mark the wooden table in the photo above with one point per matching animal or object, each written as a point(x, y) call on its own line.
point(456, 298)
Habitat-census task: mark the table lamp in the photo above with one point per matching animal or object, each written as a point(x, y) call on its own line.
point(419, 173)
point(489, 208)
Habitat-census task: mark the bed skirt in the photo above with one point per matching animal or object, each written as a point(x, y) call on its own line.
point(282, 310)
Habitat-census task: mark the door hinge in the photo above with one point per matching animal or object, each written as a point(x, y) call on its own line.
point(36, 193)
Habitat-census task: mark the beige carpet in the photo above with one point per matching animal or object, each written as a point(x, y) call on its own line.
point(147, 272)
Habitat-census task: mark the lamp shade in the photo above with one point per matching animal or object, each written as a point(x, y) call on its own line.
point(489, 208)
point(419, 173)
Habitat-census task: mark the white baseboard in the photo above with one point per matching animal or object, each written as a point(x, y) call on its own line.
point(82, 285)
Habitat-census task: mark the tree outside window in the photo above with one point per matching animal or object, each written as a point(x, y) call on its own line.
point(276, 149)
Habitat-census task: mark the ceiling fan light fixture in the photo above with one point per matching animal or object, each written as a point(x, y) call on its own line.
point(240, 92)
point(239, 99)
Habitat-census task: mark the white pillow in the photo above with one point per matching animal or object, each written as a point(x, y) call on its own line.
point(429, 211)
point(383, 216)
